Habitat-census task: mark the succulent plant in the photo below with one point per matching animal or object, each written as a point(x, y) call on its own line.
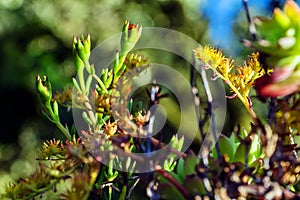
point(278, 39)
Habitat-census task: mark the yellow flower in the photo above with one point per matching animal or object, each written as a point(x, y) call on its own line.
point(240, 79)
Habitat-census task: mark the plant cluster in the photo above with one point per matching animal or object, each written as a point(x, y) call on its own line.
point(260, 163)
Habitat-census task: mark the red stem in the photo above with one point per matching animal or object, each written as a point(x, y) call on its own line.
point(172, 180)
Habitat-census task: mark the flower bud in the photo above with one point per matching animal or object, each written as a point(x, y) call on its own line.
point(77, 60)
point(81, 49)
point(43, 88)
point(130, 36)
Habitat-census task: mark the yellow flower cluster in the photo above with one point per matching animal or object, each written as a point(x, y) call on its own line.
point(240, 79)
point(245, 76)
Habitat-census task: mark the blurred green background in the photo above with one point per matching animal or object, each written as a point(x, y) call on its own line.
point(36, 38)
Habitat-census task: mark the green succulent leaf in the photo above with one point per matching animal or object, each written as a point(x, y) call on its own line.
point(194, 185)
point(227, 147)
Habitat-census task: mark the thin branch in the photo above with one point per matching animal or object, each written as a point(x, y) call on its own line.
point(173, 181)
point(271, 114)
point(172, 150)
point(196, 99)
point(132, 187)
point(153, 101)
point(109, 183)
point(210, 106)
point(251, 26)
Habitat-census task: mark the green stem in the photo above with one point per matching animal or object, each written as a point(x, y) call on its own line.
point(90, 112)
point(63, 130)
point(245, 102)
point(123, 193)
point(49, 108)
point(81, 80)
point(240, 96)
point(110, 193)
point(122, 60)
point(100, 83)
point(56, 121)
point(87, 66)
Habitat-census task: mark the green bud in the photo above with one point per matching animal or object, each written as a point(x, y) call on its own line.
point(130, 36)
point(80, 50)
point(109, 79)
point(55, 110)
point(43, 88)
point(87, 45)
point(77, 60)
point(86, 118)
point(104, 75)
point(123, 193)
point(82, 47)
